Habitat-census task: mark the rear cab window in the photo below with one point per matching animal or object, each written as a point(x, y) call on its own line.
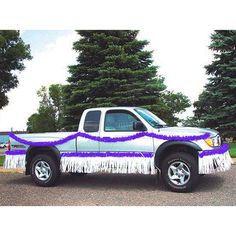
point(92, 121)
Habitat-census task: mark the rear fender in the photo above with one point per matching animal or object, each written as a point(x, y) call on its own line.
point(33, 151)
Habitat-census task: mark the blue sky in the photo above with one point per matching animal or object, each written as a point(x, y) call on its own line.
point(38, 39)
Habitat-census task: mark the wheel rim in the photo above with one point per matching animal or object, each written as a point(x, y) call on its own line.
point(179, 173)
point(42, 170)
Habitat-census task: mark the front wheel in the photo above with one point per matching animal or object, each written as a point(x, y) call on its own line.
point(44, 170)
point(180, 171)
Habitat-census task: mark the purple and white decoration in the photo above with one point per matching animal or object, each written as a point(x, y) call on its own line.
point(210, 161)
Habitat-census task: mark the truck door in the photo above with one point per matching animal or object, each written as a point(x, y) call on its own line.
point(90, 126)
point(119, 123)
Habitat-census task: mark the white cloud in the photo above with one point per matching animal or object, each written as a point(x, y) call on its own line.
point(47, 67)
point(181, 55)
point(181, 59)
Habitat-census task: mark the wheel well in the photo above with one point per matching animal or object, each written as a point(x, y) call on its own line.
point(171, 149)
point(33, 151)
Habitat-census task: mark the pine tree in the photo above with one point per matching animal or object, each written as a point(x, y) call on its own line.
point(216, 107)
point(114, 69)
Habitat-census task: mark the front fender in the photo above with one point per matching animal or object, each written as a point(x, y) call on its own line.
point(169, 146)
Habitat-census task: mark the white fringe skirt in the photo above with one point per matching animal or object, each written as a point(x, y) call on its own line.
point(214, 163)
point(141, 165)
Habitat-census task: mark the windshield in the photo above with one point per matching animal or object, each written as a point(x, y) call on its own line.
point(153, 120)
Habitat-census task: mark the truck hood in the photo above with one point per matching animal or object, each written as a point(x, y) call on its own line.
point(185, 131)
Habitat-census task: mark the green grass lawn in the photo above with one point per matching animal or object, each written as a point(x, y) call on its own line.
point(2, 157)
point(232, 149)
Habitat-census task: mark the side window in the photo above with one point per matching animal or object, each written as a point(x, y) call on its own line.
point(118, 120)
point(92, 120)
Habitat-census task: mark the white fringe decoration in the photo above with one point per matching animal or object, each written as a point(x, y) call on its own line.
point(123, 165)
point(214, 163)
point(14, 161)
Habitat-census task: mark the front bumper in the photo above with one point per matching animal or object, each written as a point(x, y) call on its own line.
point(215, 160)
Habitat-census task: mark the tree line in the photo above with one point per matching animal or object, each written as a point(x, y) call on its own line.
point(216, 105)
point(114, 68)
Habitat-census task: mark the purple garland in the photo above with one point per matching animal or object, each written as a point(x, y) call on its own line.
point(224, 148)
point(110, 139)
point(108, 154)
point(92, 154)
point(15, 152)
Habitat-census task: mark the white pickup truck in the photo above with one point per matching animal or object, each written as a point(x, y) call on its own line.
point(121, 140)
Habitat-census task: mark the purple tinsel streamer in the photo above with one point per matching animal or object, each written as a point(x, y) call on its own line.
point(224, 148)
point(108, 154)
point(109, 139)
point(15, 152)
point(92, 154)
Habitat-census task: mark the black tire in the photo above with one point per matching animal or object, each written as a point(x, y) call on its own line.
point(190, 165)
point(51, 164)
point(77, 174)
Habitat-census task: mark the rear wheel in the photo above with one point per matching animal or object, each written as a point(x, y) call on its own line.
point(44, 170)
point(180, 171)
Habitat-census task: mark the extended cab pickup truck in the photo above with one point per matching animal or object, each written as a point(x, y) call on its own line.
point(121, 140)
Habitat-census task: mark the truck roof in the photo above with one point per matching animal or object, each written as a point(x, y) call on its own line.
point(111, 108)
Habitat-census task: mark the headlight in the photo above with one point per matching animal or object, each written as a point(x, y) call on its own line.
point(214, 141)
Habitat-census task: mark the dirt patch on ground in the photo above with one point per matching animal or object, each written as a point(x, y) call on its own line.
point(3, 170)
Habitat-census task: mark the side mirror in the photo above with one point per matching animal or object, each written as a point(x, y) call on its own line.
point(139, 126)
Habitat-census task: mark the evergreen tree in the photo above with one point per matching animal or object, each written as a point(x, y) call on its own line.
point(216, 107)
point(191, 121)
point(114, 69)
point(12, 53)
